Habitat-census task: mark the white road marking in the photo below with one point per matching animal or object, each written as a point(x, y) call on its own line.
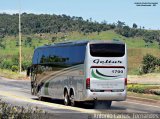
point(7, 94)
point(11, 95)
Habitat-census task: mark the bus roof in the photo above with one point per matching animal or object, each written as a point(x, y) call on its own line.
point(80, 42)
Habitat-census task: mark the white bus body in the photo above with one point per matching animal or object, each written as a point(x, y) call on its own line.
point(80, 71)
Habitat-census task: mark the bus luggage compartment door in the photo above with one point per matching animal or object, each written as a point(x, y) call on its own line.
point(107, 78)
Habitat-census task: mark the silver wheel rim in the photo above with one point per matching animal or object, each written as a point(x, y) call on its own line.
point(72, 100)
point(65, 100)
point(32, 91)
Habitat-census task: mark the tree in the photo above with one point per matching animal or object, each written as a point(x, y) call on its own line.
point(120, 24)
point(158, 40)
point(126, 31)
point(151, 36)
point(135, 26)
point(2, 33)
point(45, 23)
point(2, 45)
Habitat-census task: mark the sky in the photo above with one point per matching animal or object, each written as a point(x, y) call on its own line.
point(99, 10)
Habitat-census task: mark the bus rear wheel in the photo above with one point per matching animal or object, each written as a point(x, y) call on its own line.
point(32, 91)
point(41, 98)
point(73, 103)
point(66, 99)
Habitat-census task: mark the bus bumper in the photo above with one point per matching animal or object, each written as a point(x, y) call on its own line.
point(114, 96)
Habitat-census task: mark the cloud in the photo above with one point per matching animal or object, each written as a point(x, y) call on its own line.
point(9, 11)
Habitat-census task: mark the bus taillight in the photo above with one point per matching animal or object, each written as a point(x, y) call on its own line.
point(88, 83)
point(125, 81)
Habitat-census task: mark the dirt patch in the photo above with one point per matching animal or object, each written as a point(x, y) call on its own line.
point(145, 79)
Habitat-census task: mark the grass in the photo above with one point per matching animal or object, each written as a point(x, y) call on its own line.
point(135, 57)
point(11, 75)
point(148, 96)
point(144, 76)
point(136, 46)
point(142, 88)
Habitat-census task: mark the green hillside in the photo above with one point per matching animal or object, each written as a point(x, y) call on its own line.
point(136, 46)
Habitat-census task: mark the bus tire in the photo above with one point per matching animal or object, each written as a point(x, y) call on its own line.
point(32, 91)
point(40, 98)
point(66, 99)
point(73, 103)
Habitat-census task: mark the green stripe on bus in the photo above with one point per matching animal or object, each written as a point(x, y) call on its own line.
point(46, 88)
point(100, 78)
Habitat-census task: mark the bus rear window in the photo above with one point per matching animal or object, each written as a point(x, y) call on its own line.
point(107, 50)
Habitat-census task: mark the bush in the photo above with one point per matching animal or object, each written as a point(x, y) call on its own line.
point(8, 111)
point(149, 64)
point(13, 63)
point(155, 91)
point(136, 89)
point(6, 64)
point(28, 42)
point(147, 89)
point(25, 64)
point(14, 68)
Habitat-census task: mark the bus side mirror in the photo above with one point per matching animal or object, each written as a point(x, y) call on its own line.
point(28, 71)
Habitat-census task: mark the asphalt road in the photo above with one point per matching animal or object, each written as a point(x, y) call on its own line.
point(17, 92)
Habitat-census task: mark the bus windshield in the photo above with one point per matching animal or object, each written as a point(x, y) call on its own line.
point(107, 50)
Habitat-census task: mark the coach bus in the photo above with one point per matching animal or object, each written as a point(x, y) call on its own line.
point(80, 71)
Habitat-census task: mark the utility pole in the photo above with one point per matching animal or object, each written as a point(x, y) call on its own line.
point(20, 44)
